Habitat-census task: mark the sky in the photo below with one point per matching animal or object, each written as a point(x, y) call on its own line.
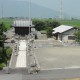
point(70, 7)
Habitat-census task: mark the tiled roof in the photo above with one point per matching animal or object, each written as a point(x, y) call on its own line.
point(22, 23)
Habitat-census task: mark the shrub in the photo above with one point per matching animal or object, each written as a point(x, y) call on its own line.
point(2, 65)
point(8, 52)
point(77, 36)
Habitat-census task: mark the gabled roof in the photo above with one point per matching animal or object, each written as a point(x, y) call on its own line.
point(61, 29)
point(22, 23)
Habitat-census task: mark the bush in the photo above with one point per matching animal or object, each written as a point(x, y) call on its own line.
point(49, 31)
point(77, 36)
point(8, 52)
point(2, 65)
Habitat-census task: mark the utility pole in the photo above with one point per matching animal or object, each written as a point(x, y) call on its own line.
point(2, 9)
point(29, 16)
point(61, 9)
point(28, 58)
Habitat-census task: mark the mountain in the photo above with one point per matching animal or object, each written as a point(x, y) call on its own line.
point(21, 9)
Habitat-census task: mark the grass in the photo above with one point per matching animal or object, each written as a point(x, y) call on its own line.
point(75, 23)
point(7, 22)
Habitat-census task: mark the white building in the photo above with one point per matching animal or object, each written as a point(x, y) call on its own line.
point(64, 33)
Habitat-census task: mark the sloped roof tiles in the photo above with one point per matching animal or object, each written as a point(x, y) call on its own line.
point(22, 23)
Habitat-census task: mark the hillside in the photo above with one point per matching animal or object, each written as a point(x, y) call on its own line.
point(13, 8)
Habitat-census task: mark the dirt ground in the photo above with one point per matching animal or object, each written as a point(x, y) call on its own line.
point(58, 57)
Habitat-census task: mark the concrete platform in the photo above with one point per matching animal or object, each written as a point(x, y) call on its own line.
point(58, 57)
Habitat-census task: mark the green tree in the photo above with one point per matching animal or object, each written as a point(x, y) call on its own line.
point(2, 38)
point(45, 24)
point(39, 24)
point(77, 36)
point(49, 31)
point(52, 23)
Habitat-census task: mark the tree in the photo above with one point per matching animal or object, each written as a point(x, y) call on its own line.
point(8, 52)
point(2, 38)
point(51, 23)
point(1, 53)
point(45, 24)
point(77, 36)
point(49, 31)
point(55, 24)
point(39, 24)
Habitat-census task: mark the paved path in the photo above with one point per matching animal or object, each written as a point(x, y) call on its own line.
point(21, 59)
point(59, 74)
point(18, 59)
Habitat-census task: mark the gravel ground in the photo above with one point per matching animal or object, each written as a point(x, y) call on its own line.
point(58, 57)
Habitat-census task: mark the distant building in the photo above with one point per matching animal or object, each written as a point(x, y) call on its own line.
point(22, 26)
point(64, 33)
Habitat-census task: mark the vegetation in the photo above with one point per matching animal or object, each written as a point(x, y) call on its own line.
point(49, 24)
point(45, 24)
point(4, 53)
point(7, 22)
point(73, 22)
point(2, 65)
point(8, 52)
point(77, 34)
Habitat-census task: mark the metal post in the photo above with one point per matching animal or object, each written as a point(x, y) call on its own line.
point(61, 9)
point(2, 8)
point(29, 38)
point(29, 17)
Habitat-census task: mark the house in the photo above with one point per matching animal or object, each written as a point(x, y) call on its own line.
point(22, 26)
point(64, 33)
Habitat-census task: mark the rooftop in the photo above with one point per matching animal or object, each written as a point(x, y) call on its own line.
point(22, 23)
point(61, 29)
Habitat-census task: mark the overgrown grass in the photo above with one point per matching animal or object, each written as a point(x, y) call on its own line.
point(75, 23)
